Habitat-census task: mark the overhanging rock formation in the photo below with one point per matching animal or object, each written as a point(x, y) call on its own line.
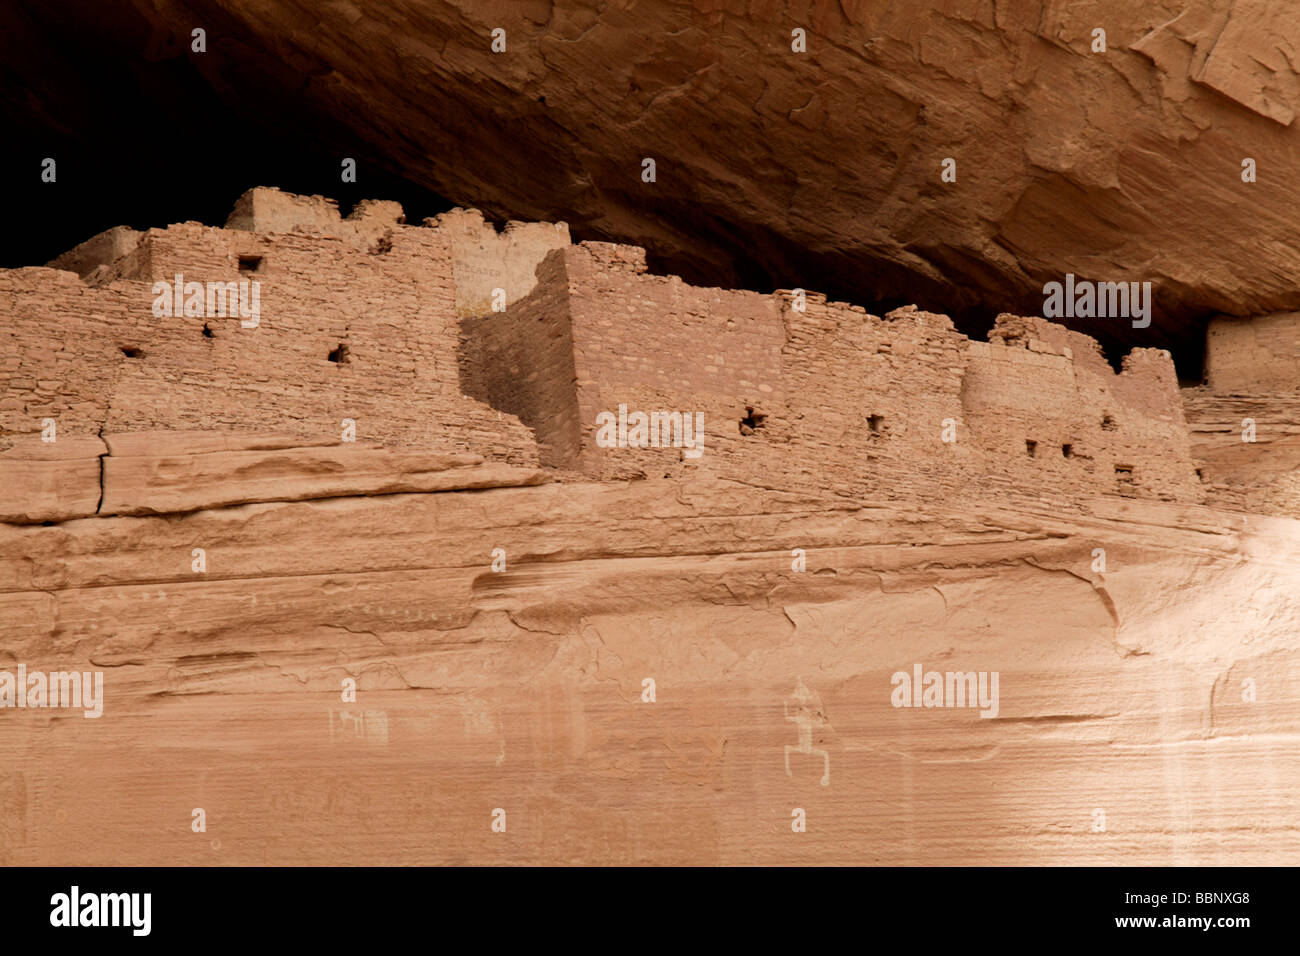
point(820, 169)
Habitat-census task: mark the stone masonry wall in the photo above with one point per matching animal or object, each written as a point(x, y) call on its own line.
point(521, 362)
point(61, 348)
point(98, 251)
point(484, 260)
point(359, 320)
point(378, 299)
point(834, 399)
point(1091, 429)
point(868, 398)
point(654, 343)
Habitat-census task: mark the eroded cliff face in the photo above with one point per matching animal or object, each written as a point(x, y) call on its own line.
point(775, 168)
point(421, 642)
point(1144, 714)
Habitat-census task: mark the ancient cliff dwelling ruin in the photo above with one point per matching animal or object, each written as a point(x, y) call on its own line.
point(508, 504)
point(896, 465)
point(520, 378)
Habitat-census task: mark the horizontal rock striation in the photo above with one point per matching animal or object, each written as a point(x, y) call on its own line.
point(522, 689)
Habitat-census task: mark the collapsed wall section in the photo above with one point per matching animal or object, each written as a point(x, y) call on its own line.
point(98, 251)
point(268, 210)
point(487, 264)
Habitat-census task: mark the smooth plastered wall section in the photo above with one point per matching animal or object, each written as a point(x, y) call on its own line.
point(1250, 356)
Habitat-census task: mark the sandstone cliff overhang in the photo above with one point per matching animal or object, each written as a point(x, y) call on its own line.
point(775, 168)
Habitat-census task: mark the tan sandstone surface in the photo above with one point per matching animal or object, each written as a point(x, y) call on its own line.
point(872, 494)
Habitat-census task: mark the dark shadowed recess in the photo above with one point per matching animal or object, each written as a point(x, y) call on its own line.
point(145, 139)
point(763, 260)
point(149, 142)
